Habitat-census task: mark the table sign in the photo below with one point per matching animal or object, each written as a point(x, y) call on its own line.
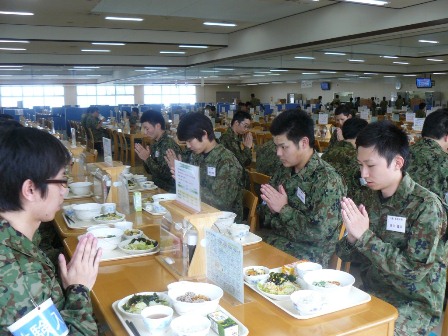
point(395, 117)
point(365, 114)
point(252, 110)
point(256, 118)
point(418, 124)
point(257, 108)
point(390, 109)
point(223, 109)
point(313, 106)
point(18, 112)
point(230, 115)
point(261, 113)
point(213, 121)
point(225, 263)
point(188, 185)
point(275, 110)
point(315, 117)
point(309, 109)
point(323, 118)
point(73, 132)
point(232, 108)
point(410, 117)
point(107, 146)
point(404, 108)
point(176, 119)
point(283, 107)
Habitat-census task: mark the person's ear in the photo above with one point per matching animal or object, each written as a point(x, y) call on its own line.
point(398, 162)
point(29, 190)
point(305, 142)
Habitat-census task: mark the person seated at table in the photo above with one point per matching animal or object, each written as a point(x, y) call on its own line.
point(399, 234)
point(133, 119)
point(342, 156)
point(335, 102)
point(302, 202)
point(341, 114)
point(94, 123)
point(221, 175)
point(429, 156)
point(153, 125)
point(238, 139)
point(32, 168)
point(421, 112)
point(267, 160)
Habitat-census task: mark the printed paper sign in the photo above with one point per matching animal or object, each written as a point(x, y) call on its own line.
point(323, 118)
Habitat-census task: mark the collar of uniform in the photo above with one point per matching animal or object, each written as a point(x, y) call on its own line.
point(232, 132)
point(311, 165)
point(432, 145)
point(405, 188)
point(214, 152)
point(14, 239)
point(345, 144)
point(164, 136)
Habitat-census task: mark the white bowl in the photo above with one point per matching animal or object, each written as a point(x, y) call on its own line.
point(87, 211)
point(147, 185)
point(262, 273)
point(164, 197)
point(80, 188)
point(307, 302)
point(123, 246)
point(239, 231)
point(108, 238)
point(139, 308)
point(305, 267)
point(123, 225)
point(175, 290)
point(140, 178)
point(323, 276)
point(126, 169)
point(157, 319)
point(191, 325)
point(224, 221)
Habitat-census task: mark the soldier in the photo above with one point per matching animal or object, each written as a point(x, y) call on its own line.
point(220, 172)
point(342, 156)
point(429, 156)
point(302, 202)
point(94, 123)
point(341, 114)
point(383, 106)
point(267, 160)
point(399, 103)
point(32, 167)
point(399, 234)
point(421, 112)
point(153, 156)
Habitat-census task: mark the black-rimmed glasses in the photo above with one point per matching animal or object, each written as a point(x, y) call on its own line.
point(62, 182)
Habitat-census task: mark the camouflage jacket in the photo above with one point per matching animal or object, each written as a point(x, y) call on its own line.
point(156, 165)
point(221, 179)
point(234, 143)
point(429, 166)
point(25, 273)
point(267, 160)
point(333, 141)
point(408, 270)
point(92, 123)
point(308, 229)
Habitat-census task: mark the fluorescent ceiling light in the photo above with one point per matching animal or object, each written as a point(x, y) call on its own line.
point(329, 72)
point(77, 69)
point(409, 75)
point(16, 13)
point(212, 71)
point(271, 82)
point(222, 24)
point(109, 43)
point(11, 69)
point(259, 75)
point(363, 77)
point(225, 69)
point(439, 73)
point(172, 52)
point(262, 72)
point(157, 68)
point(309, 73)
point(279, 70)
point(434, 59)
point(370, 73)
point(274, 74)
point(14, 41)
point(146, 70)
point(428, 41)
point(244, 76)
point(352, 75)
point(388, 76)
point(13, 49)
point(95, 50)
point(5, 75)
point(389, 56)
point(404, 63)
point(252, 84)
point(93, 75)
point(50, 75)
point(344, 79)
point(193, 46)
point(355, 60)
point(117, 18)
point(263, 83)
point(86, 67)
point(11, 66)
point(335, 53)
point(369, 2)
point(304, 57)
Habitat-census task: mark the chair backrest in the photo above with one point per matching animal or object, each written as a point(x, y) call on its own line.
point(257, 178)
point(250, 202)
point(335, 260)
point(123, 147)
point(90, 140)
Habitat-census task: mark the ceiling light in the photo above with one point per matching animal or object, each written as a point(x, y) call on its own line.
point(271, 82)
point(78, 69)
point(222, 24)
point(157, 68)
point(363, 77)
point(117, 18)
point(355, 60)
point(11, 69)
point(404, 63)
point(389, 56)
point(439, 73)
point(5, 75)
point(434, 59)
point(304, 57)
point(50, 75)
point(262, 72)
point(172, 52)
point(86, 67)
point(344, 79)
point(93, 75)
point(109, 43)
point(225, 69)
point(409, 75)
point(428, 41)
point(369, 2)
point(279, 70)
point(14, 41)
point(252, 84)
point(274, 74)
point(370, 73)
point(263, 83)
point(309, 73)
point(146, 70)
point(335, 53)
point(193, 46)
point(352, 75)
point(259, 75)
point(13, 49)
point(328, 72)
point(212, 71)
point(95, 50)
point(11, 66)
point(388, 76)
point(16, 13)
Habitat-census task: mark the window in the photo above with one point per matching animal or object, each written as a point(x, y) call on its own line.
point(104, 95)
point(170, 94)
point(32, 95)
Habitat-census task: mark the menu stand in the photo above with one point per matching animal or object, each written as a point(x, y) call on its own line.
point(114, 172)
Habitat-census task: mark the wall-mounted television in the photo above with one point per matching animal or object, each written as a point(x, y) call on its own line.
point(423, 82)
point(325, 85)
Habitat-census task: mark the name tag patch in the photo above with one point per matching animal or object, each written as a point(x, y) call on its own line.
point(157, 154)
point(211, 171)
point(396, 224)
point(300, 194)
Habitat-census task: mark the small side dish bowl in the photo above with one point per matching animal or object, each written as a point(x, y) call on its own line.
point(307, 302)
point(239, 231)
point(331, 283)
point(80, 188)
point(255, 274)
point(305, 267)
point(191, 325)
point(132, 233)
point(225, 219)
point(108, 238)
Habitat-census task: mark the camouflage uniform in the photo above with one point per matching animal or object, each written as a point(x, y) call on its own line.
point(333, 140)
point(384, 104)
point(224, 190)
point(234, 143)
point(420, 114)
point(399, 103)
point(25, 273)
point(308, 230)
point(92, 123)
point(408, 270)
point(267, 160)
point(156, 165)
point(429, 166)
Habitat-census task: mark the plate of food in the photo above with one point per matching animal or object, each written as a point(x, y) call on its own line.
point(278, 286)
point(109, 218)
point(132, 305)
point(139, 245)
point(131, 184)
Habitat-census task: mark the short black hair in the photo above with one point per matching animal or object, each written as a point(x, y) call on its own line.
point(342, 109)
point(4, 116)
point(193, 125)
point(387, 139)
point(421, 106)
point(135, 109)
point(27, 153)
point(7, 123)
point(295, 124)
point(240, 116)
point(352, 127)
point(154, 118)
point(436, 124)
point(93, 109)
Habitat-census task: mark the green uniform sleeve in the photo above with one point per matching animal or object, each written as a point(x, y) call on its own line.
point(244, 156)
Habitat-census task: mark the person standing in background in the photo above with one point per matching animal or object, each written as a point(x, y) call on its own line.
point(383, 106)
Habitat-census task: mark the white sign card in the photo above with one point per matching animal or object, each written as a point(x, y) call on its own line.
point(188, 185)
point(395, 117)
point(252, 110)
point(225, 263)
point(230, 115)
point(365, 114)
point(404, 108)
point(217, 135)
point(410, 117)
point(256, 118)
point(176, 119)
point(223, 109)
point(257, 108)
point(18, 112)
point(283, 107)
point(306, 84)
point(107, 147)
point(309, 109)
point(390, 109)
point(323, 118)
point(261, 113)
point(418, 123)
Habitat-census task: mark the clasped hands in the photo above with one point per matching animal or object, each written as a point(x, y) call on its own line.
point(142, 152)
point(275, 199)
point(355, 218)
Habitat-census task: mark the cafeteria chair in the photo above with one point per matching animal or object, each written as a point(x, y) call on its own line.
point(337, 262)
point(256, 179)
point(124, 149)
point(90, 140)
point(250, 202)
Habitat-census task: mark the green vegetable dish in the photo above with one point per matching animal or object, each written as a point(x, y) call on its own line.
point(279, 284)
point(139, 302)
point(141, 244)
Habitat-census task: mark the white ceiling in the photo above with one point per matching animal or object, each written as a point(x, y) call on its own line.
point(268, 36)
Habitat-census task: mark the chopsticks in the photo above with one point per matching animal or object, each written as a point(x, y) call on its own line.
point(69, 219)
point(132, 327)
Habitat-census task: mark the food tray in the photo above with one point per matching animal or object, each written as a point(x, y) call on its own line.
point(354, 298)
point(80, 224)
point(154, 187)
point(242, 330)
point(251, 238)
point(70, 195)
